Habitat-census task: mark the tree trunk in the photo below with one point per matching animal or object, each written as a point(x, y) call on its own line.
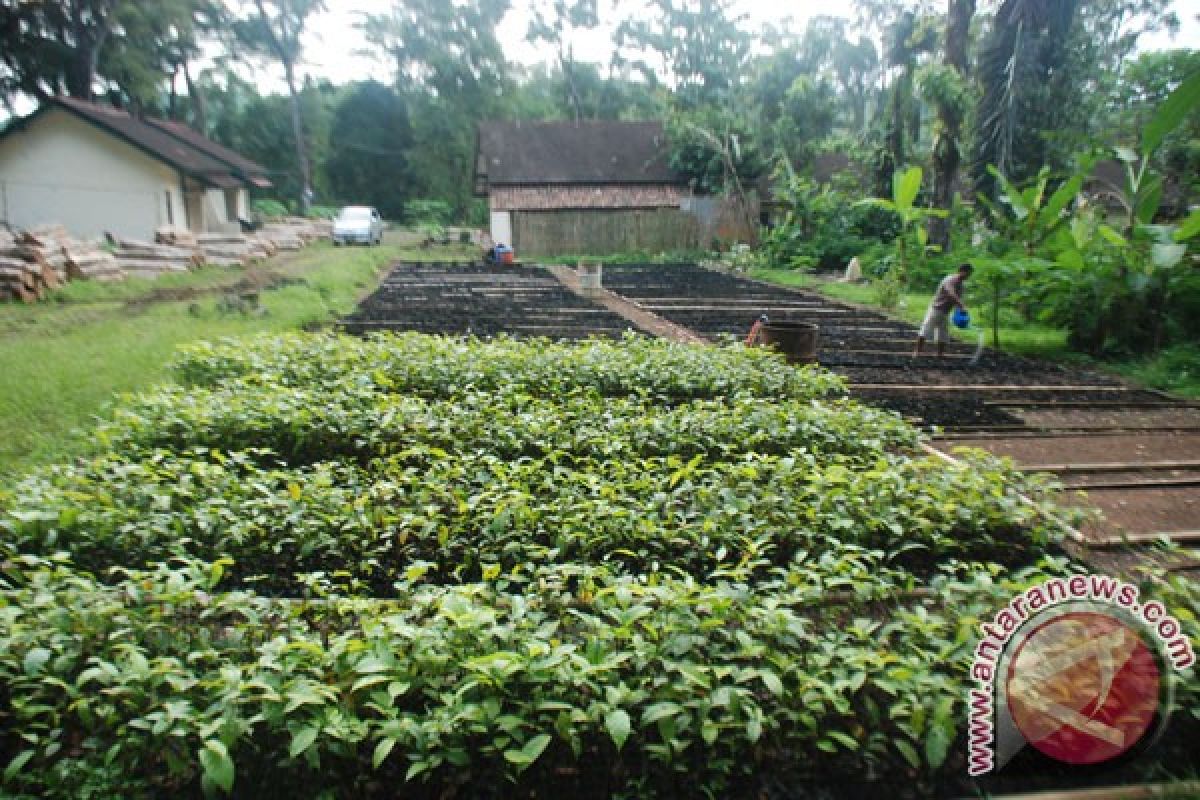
point(89, 41)
point(946, 154)
point(298, 135)
point(199, 112)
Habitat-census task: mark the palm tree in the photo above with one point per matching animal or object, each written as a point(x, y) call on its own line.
point(1024, 47)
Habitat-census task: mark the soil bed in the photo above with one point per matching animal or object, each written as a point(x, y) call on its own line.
point(482, 300)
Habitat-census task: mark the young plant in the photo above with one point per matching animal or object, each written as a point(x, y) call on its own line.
point(905, 188)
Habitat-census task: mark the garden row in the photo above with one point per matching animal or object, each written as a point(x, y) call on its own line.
point(437, 566)
point(434, 366)
point(482, 300)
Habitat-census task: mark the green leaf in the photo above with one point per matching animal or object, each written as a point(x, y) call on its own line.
point(937, 743)
point(659, 710)
point(848, 741)
point(1126, 154)
point(909, 752)
point(302, 741)
point(35, 659)
point(1062, 196)
point(14, 766)
point(1166, 256)
point(382, 750)
point(1171, 113)
point(905, 187)
point(529, 753)
point(1189, 227)
point(1148, 199)
point(217, 765)
point(618, 725)
point(772, 682)
point(1112, 236)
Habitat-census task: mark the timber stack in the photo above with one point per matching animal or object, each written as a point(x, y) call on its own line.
point(33, 262)
point(140, 259)
point(231, 249)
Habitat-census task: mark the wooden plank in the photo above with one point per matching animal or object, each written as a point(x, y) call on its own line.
point(983, 387)
point(1112, 466)
point(1134, 485)
point(1146, 791)
point(1110, 542)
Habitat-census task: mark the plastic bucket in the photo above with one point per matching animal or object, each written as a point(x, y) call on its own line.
point(796, 340)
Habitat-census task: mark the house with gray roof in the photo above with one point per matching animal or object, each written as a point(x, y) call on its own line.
point(589, 187)
point(98, 169)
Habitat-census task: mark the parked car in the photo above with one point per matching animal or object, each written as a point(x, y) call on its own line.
point(357, 225)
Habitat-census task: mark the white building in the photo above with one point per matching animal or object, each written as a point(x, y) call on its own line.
point(97, 169)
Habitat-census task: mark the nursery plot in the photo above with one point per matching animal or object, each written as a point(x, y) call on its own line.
point(480, 300)
point(364, 566)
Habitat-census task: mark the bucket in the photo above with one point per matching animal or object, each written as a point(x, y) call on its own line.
point(796, 340)
point(591, 276)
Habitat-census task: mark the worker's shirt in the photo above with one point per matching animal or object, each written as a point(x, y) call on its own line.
point(949, 293)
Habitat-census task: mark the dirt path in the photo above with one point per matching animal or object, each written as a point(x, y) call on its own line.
point(644, 320)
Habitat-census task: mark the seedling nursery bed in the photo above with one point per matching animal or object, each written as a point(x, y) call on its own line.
point(424, 566)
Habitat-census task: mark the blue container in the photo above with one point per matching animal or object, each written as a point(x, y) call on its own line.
point(960, 318)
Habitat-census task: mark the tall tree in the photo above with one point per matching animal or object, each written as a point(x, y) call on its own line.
point(53, 48)
point(1024, 47)
point(369, 153)
point(273, 28)
point(701, 47)
point(451, 69)
point(553, 23)
point(946, 89)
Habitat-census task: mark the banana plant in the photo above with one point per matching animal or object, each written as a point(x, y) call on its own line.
point(1135, 268)
point(905, 188)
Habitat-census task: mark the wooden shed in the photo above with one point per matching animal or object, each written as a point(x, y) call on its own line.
point(591, 187)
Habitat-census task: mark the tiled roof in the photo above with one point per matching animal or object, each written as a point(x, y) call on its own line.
point(169, 142)
point(586, 152)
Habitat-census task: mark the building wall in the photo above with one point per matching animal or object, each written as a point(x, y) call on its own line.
point(549, 198)
point(598, 232)
point(61, 169)
point(550, 221)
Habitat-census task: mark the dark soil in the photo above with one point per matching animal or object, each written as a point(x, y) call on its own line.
point(482, 300)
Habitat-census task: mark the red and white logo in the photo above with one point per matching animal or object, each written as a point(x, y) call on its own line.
point(1083, 687)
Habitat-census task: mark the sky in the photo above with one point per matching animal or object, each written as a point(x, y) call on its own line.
point(333, 39)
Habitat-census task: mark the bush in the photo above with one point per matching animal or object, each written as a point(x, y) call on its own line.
point(322, 212)
point(825, 228)
point(269, 208)
point(428, 213)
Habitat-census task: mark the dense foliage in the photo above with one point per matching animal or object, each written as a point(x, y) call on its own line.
point(617, 569)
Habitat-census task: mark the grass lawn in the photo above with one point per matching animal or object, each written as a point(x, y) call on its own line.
point(62, 361)
point(1176, 369)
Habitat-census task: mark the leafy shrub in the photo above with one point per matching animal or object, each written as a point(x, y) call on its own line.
point(824, 227)
point(428, 212)
point(269, 208)
point(322, 212)
point(434, 565)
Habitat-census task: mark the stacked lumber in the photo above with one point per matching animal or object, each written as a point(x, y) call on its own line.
point(149, 259)
point(231, 249)
point(89, 261)
point(176, 237)
point(25, 274)
point(282, 236)
point(45, 244)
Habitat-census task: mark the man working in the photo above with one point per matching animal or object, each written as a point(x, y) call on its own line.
point(948, 297)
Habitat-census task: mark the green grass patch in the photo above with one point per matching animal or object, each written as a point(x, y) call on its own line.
point(62, 361)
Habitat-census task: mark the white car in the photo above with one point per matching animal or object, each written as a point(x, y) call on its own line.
point(357, 225)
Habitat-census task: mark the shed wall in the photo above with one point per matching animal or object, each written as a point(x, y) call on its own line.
point(543, 234)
